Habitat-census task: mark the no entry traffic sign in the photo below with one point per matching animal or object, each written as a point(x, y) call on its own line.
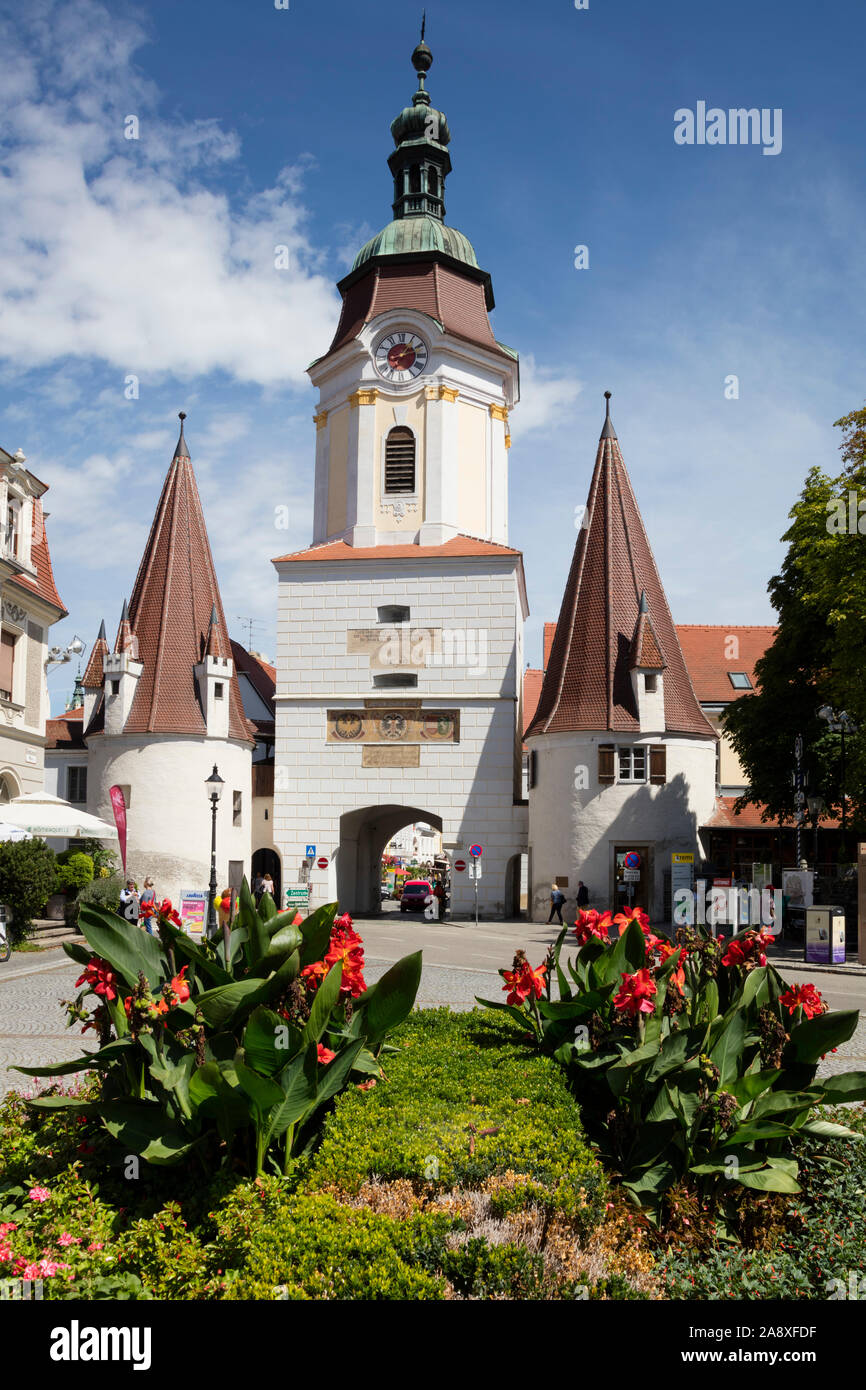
point(321, 862)
point(460, 865)
point(476, 851)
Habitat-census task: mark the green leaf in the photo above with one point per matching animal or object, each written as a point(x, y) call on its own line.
point(767, 1180)
point(190, 950)
point(756, 988)
point(258, 936)
point(286, 940)
point(83, 1107)
point(777, 1102)
point(524, 1019)
point(728, 1049)
point(392, 998)
point(212, 1095)
point(652, 1183)
point(267, 910)
point(823, 1129)
point(333, 1075)
point(141, 1127)
point(749, 1132)
point(125, 946)
point(848, 1086)
point(323, 1004)
point(102, 1058)
point(298, 1081)
point(77, 952)
point(751, 1085)
point(263, 1093)
point(316, 931)
point(815, 1036)
point(260, 1041)
point(219, 1005)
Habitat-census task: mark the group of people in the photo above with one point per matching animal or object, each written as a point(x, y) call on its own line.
point(557, 900)
point(132, 902)
point(263, 883)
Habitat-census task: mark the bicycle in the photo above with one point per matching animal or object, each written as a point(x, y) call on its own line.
point(5, 943)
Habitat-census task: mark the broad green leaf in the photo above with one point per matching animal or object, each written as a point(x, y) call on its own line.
point(324, 1002)
point(212, 1095)
point(142, 1128)
point(728, 1049)
point(189, 950)
point(316, 931)
point(263, 1092)
point(524, 1019)
point(218, 1005)
point(767, 1129)
point(777, 1102)
point(298, 1081)
point(83, 1107)
point(751, 1085)
point(823, 1129)
point(652, 1183)
point(261, 1035)
point(258, 936)
point(129, 949)
point(848, 1086)
point(755, 990)
point(815, 1036)
point(267, 909)
point(286, 940)
point(767, 1180)
point(334, 1075)
point(77, 952)
point(393, 999)
point(102, 1058)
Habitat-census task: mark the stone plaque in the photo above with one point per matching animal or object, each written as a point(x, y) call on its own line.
point(393, 724)
point(394, 646)
point(380, 755)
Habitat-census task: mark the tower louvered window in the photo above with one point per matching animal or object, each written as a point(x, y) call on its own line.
point(400, 461)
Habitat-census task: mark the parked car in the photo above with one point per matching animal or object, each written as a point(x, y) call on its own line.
point(386, 891)
point(415, 893)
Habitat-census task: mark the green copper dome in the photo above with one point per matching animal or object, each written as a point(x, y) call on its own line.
point(409, 234)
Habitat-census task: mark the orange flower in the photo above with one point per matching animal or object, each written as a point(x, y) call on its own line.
point(523, 982)
point(324, 1054)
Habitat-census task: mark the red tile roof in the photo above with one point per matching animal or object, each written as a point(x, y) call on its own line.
point(175, 592)
point(549, 634)
point(455, 298)
point(461, 546)
point(711, 655)
point(587, 684)
point(645, 651)
point(532, 682)
point(94, 677)
point(724, 818)
point(66, 731)
point(43, 584)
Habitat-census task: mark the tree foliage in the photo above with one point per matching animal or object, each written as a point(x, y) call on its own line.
point(817, 657)
point(28, 877)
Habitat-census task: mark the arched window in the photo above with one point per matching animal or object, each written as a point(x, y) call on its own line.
point(400, 460)
point(415, 179)
point(433, 183)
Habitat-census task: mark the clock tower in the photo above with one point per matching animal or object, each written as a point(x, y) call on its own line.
point(400, 643)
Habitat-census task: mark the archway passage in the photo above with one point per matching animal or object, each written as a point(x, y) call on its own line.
point(267, 861)
point(363, 836)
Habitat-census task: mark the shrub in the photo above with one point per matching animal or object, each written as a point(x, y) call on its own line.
point(692, 1062)
point(100, 892)
point(28, 877)
point(74, 870)
point(465, 1100)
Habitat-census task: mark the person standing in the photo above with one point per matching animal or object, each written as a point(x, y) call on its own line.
point(258, 886)
point(557, 899)
point(582, 894)
point(439, 895)
point(129, 902)
point(147, 905)
point(268, 886)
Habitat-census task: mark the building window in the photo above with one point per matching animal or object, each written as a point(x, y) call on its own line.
point(393, 613)
point(13, 529)
point(115, 687)
point(632, 764)
point(533, 769)
point(393, 679)
point(651, 684)
point(237, 807)
point(7, 664)
point(400, 461)
point(739, 680)
point(218, 690)
point(605, 764)
point(658, 764)
point(76, 784)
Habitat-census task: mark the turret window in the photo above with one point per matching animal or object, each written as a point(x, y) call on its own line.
point(400, 461)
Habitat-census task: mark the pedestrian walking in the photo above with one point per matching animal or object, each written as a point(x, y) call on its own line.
point(147, 905)
point(557, 900)
point(582, 894)
point(268, 886)
point(439, 895)
point(130, 902)
point(258, 886)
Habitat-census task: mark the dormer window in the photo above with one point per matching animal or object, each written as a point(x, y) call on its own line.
point(651, 684)
point(218, 690)
point(739, 680)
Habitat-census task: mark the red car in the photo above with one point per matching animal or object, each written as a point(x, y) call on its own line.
point(416, 891)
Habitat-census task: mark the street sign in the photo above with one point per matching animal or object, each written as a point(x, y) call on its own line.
point(475, 869)
point(632, 859)
point(310, 852)
point(321, 862)
point(460, 865)
point(476, 851)
point(631, 875)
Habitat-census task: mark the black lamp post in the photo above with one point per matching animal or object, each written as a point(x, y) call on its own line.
point(214, 785)
point(843, 724)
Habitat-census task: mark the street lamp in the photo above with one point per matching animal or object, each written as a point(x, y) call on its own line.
point(839, 723)
point(214, 785)
point(816, 808)
point(57, 656)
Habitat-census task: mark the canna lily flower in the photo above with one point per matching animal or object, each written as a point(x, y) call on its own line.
point(347, 946)
point(591, 924)
point(166, 910)
point(324, 1054)
point(179, 988)
point(635, 994)
point(523, 982)
point(99, 975)
point(805, 997)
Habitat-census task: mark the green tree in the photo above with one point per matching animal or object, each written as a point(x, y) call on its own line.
point(28, 877)
point(817, 657)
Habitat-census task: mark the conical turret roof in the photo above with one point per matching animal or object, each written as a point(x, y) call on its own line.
point(93, 674)
point(603, 625)
point(175, 597)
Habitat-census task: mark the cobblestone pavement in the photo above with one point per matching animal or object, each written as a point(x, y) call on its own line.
point(460, 962)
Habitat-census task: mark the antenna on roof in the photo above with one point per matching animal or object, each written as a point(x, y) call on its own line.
point(250, 623)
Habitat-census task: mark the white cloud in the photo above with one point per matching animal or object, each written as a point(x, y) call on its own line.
point(117, 250)
point(546, 397)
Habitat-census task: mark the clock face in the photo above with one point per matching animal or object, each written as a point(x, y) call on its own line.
point(400, 357)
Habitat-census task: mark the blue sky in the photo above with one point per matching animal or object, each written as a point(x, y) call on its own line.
point(260, 126)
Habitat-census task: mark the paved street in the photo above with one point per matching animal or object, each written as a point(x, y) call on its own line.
point(460, 961)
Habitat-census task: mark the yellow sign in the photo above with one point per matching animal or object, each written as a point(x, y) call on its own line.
point(682, 859)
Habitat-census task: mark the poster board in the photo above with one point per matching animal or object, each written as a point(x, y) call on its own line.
point(682, 873)
point(798, 887)
point(193, 911)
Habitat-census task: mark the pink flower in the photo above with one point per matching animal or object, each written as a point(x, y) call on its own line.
point(67, 1239)
point(39, 1194)
point(366, 1085)
point(8, 1226)
point(42, 1269)
point(95, 1245)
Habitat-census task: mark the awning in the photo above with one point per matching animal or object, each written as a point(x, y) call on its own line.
point(37, 813)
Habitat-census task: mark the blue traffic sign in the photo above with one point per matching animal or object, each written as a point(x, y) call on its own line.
point(311, 852)
point(476, 851)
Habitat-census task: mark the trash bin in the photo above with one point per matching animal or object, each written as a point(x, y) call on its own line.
point(825, 935)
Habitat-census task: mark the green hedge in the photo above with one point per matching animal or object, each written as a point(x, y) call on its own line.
point(465, 1100)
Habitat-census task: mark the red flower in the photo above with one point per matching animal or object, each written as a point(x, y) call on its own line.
point(523, 982)
point(805, 997)
point(343, 923)
point(179, 988)
point(635, 994)
point(735, 955)
point(324, 1054)
point(347, 946)
point(147, 910)
point(315, 973)
point(166, 910)
point(591, 924)
point(100, 976)
point(629, 915)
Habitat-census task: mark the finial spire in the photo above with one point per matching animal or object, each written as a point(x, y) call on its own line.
point(608, 432)
point(423, 23)
point(181, 451)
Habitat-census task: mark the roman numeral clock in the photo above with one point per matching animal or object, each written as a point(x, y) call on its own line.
point(400, 357)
